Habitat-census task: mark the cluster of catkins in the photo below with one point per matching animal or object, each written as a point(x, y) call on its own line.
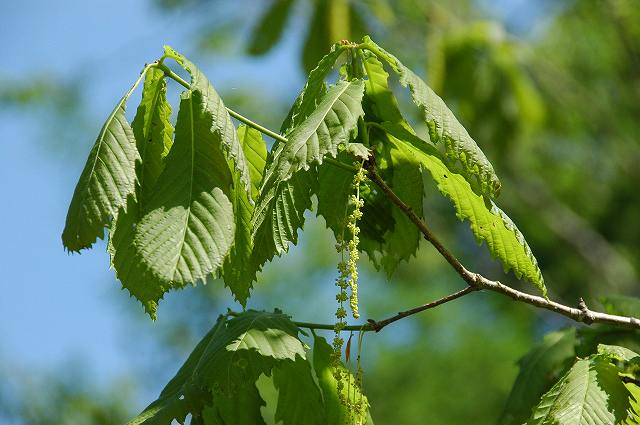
point(348, 274)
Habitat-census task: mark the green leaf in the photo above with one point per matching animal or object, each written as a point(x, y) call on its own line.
point(337, 413)
point(239, 270)
point(406, 182)
point(299, 398)
point(443, 125)
point(221, 123)
point(591, 392)
point(289, 178)
point(107, 180)
point(383, 103)
point(241, 407)
point(153, 132)
point(488, 222)
point(268, 31)
point(313, 90)
point(616, 352)
point(539, 369)
point(335, 186)
point(223, 368)
point(188, 227)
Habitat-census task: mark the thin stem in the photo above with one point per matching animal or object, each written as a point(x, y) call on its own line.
point(169, 73)
point(377, 326)
point(478, 282)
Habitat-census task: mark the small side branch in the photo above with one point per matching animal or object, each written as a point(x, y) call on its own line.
point(478, 282)
point(377, 326)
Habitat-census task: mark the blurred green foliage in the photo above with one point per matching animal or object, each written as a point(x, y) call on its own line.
point(556, 110)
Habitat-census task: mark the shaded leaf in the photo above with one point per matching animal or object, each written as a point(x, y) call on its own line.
point(539, 369)
point(239, 270)
point(188, 226)
point(221, 123)
point(299, 398)
point(223, 368)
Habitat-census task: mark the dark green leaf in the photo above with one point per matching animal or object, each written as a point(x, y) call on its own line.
point(299, 398)
point(223, 368)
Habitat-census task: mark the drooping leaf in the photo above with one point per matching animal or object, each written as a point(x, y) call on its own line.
point(153, 132)
point(223, 368)
point(335, 186)
point(336, 411)
point(591, 392)
point(221, 123)
point(268, 31)
point(488, 222)
point(188, 224)
point(299, 398)
point(406, 182)
point(289, 178)
point(239, 270)
point(384, 105)
point(107, 180)
point(539, 369)
point(444, 126)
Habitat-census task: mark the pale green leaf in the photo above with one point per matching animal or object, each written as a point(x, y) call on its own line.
point(107, 180)
point(223, 368)
point(444, 126)
point(188, 226)
point(488, 222)
point(539, 369)
point(268, 31)
point(617, 352)
point(590, 393)
point(383, 103)
point(239, 270)
point(221, 124)
point(336, 412)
